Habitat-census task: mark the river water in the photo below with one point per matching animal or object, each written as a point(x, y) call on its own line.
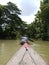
point(42, 47)
point(9, 47)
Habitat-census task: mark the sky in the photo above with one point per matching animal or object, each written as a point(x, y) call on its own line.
point(28, 8)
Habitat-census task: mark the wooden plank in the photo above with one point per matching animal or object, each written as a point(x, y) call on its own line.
point(27, 60)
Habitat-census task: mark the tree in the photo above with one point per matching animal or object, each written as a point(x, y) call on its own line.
point(10, 16)
point(45, 18)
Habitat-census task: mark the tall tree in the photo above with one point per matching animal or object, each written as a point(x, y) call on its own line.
point(45, 18)
point(11, 21)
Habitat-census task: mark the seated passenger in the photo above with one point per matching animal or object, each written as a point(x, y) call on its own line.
point(24, 39)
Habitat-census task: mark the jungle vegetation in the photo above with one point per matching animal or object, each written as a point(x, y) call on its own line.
point(12, 26)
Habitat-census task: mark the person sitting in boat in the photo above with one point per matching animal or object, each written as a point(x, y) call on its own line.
point(24, 39)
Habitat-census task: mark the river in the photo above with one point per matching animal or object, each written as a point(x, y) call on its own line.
point(42, 47)
point(9, 47)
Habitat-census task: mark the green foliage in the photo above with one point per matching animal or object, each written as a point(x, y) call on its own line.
point(35, 29)
point(10, 16)
point(40, 27)
point(1, 9)
point(45, 12)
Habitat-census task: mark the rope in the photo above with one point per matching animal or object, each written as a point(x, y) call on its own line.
point(22, 58)
point(30, 57)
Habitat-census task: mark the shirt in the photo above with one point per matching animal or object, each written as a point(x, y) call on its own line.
point(24, 39)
